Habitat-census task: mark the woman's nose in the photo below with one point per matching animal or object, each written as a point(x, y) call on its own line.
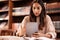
point(36, 10)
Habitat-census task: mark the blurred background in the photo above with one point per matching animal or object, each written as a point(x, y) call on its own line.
point(12, 13)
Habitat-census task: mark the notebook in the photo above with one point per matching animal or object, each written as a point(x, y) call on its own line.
point(31, 28)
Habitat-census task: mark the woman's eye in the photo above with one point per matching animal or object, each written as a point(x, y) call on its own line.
point(34, 7)
point(38, 8)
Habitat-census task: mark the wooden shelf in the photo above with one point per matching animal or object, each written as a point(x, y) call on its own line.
point(3, 21)
point(3, 10)
point(3, 0)
point(51, 11)
point(16, 0)
point(6, 18)
point(58, 31)
point(20, 14)
point(53, 5)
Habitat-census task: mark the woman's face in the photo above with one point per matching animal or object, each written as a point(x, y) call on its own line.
point(36, 9)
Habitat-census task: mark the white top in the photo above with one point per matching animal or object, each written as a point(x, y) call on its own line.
point(49, 29)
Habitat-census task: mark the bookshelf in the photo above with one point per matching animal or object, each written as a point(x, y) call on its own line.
point(4, 13)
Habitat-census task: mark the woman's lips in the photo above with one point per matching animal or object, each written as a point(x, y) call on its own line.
point(36, 13)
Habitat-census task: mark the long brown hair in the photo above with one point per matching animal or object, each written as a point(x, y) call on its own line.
point(42, 14)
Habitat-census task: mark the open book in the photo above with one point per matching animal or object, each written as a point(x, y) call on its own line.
point(39, 38)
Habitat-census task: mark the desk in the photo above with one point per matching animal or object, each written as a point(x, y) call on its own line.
point(22, 38)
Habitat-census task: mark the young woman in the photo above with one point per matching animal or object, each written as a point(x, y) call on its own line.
point(38, 14)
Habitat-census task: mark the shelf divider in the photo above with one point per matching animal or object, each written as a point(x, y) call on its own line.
point(10, 14)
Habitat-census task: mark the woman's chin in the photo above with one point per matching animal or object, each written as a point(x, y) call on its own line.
point(36, 15)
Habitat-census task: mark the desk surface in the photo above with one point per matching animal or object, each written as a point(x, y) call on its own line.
point(22, 38)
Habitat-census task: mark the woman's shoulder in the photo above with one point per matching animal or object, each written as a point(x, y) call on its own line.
point(26, 17)
point(48, 17)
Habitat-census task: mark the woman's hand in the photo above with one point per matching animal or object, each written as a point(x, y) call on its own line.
point(39, 34)
point(34, 35)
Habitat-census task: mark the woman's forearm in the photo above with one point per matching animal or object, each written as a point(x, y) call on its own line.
point(45, 35)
